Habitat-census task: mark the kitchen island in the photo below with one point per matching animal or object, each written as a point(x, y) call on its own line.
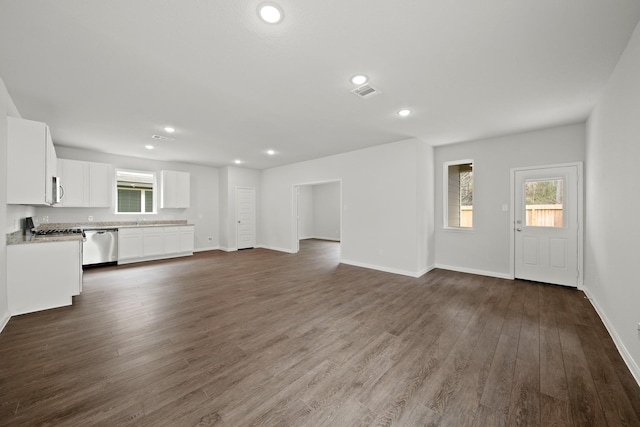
point(43, 272)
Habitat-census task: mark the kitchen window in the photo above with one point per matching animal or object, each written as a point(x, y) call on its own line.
point(135, 192)
point(458, 194)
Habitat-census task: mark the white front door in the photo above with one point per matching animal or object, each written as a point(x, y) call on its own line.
point(245, 217)
point(547, 213)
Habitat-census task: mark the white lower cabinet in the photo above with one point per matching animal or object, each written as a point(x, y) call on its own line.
point(172, 240)
point(148, 243)
point(153, 238)
point(186, 239)
point(56, 279)
point(130, 244)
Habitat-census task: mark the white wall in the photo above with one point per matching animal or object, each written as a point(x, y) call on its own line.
point(223, 208)
point(203, 212)
point(381, 213)
point(425, 196)
point(232, 178)
point(486, 248)
point(612, 236)
point(8, 215)
point(306, 226)
point(326, 211)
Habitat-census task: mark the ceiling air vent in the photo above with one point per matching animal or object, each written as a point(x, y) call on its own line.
point(161, 138)
point(365, 91)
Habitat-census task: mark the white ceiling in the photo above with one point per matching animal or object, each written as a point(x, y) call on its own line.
point(106, 75)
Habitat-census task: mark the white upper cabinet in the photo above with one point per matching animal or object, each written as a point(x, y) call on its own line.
point(72, 173)
point(86, 184)
point(31, 163)
point(100, 185)
point(176, 189)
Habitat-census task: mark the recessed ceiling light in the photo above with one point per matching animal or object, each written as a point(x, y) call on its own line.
point(169, 129)
point(270, 13)
point(359, 79)
point(404, 113)
point(149, 147)
point(271, 152)
point(237, 162)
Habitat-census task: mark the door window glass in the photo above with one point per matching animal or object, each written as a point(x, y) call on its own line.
point(544, 203)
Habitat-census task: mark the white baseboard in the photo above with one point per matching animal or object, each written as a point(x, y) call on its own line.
point(626, 356)
point(425, 270)
point(222, 248)
point(275, 248)
point(331, 239)
point(213, 248)
point(381, 268)
point(474, 271)
point(4, 320)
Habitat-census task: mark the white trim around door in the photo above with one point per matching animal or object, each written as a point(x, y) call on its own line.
point(245, 217)
point(575, 197)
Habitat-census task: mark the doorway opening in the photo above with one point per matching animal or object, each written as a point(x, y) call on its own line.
point(317, 212)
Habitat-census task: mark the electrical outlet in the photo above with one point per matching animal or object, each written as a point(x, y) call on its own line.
point(90, 218)
point(45, 218)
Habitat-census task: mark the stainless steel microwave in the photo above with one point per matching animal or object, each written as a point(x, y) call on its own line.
point(58, 191)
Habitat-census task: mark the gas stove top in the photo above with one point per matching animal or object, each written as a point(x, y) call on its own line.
point(50, 231)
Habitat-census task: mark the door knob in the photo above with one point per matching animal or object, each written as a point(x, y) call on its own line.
point(519, 229)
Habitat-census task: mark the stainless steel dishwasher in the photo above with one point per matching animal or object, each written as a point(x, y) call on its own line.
point(100, 246)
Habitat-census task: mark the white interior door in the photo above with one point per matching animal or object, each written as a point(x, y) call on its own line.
point(547, 213)
point(246, 217)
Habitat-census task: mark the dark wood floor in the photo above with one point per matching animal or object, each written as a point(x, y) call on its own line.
point(265, 338)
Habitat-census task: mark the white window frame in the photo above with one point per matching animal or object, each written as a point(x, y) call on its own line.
point(154, 189)
point(445, 193)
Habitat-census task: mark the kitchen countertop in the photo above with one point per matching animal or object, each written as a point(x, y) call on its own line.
point(115, 227)
point(106, 225)
point(18, 238)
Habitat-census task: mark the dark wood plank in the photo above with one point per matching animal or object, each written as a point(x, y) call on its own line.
point(524, 408)
point(554, 412)
point(553, 379)
point(616, 405)
point(609, 350)
point(586, 409)
point(497, 392)
point(265, 338)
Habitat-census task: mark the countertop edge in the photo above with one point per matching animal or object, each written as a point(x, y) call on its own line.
point(19, 238)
